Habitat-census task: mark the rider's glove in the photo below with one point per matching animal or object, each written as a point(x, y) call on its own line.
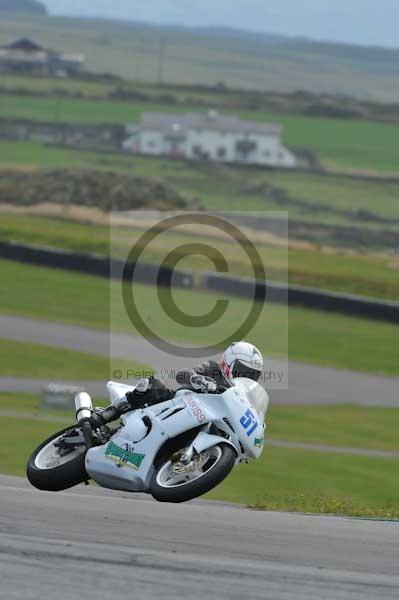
point(203, 384)
point(143, 386)
point(137, 398)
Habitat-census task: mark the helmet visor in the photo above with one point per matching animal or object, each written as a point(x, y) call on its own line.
point(241, 370)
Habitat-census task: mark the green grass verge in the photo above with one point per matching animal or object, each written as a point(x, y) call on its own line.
point(281, 480)
point(305, 481)
point(343, 143)
point(54, 295)
point(314, 336)
point(373, 428)
point(19, 359)
point(21, 437)
point(32, 404)
point(368, 275)
point(55, 232)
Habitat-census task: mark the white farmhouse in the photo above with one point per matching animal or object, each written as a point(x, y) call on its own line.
point(209, 137)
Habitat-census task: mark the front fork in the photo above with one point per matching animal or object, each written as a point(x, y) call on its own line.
point(84, 411)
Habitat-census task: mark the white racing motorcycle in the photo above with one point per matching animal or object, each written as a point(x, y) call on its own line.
point(176, 450)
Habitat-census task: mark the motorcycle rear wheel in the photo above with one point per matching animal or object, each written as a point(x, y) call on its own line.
point(174, 482)
point(48, 470)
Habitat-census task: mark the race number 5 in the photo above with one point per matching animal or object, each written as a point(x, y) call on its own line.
point(249, 422)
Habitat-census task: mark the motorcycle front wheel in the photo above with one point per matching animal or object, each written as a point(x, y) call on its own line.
point(52, 469)
point(177, 482)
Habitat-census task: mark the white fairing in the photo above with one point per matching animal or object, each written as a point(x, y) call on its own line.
point(117, 391)
point(126, 462)
point(257, 395)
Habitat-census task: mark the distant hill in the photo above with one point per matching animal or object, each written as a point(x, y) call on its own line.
point(353, 21)
point(23, 6)
point(215, 55)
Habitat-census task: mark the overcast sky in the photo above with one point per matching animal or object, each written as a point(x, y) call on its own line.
point(371, 22)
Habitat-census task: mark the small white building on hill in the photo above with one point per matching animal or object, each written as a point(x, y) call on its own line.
point(26, 56)
point(211, 137)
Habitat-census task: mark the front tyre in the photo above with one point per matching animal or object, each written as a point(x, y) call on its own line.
point(177, 482)
point(53, 468)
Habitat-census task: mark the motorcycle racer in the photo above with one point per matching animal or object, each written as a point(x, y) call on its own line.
point(175, 451)
point(241, 359)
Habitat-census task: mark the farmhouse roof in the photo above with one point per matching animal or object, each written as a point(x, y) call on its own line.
point(213, 121)
point(25, 44)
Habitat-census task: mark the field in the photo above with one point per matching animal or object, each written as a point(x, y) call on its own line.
point(35, 361)
point(315, 482)
point(41, 84)
point(340, 143)
point(372, 428)
point(151, 54)
point(282, 479)
point(364, 274)
point(309, 198)
point(315, 337)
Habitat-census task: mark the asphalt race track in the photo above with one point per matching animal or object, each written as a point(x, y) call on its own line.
point(90, 543)
point(307, 384)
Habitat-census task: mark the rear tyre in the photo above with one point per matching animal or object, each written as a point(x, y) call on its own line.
point(52, 471)
point(175, 482)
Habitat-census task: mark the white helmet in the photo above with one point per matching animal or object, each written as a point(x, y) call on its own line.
point(241, 360)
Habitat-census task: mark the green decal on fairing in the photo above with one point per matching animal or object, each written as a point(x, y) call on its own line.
point(259, 442)
point(124, 457)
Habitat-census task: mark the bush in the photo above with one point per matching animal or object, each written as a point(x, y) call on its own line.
point(105, 190)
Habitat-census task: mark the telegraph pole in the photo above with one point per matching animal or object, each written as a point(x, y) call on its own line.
point(161, 59)
point(138, 59)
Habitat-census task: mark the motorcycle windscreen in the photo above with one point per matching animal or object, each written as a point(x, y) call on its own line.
point(257, 395)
